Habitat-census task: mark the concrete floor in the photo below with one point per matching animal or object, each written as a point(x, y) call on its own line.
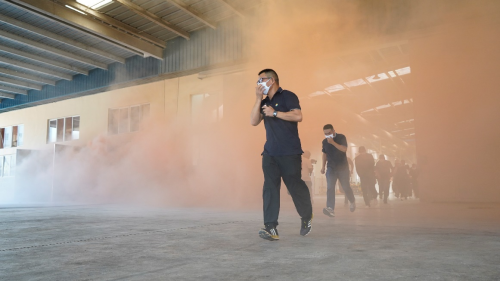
point(402, 241)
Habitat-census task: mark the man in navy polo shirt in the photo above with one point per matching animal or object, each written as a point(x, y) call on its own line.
point(334, 153)
point(280, 110)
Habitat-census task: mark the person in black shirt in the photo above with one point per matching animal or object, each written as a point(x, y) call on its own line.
point(334, 153)
point(401, 180)
point(414, 172)
point(281, 159)
point(365, 166)
point(383, 170)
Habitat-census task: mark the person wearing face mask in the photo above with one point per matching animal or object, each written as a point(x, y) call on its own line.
point(365, 167)
point(334, 153)
point(282, 155)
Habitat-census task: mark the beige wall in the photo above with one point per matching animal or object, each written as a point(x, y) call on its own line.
point(166, 98)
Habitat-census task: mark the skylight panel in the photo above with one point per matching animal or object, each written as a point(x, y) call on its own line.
point(94, 4)
point(378, 77)
point(403, 71)
point(383, 106)
point(355, 83)
point(335, 88)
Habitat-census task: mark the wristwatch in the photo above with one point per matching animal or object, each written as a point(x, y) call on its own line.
point(275, 114)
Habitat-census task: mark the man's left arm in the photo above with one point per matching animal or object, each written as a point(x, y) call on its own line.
point(295, 115)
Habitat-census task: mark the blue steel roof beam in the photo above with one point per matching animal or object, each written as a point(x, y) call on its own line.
point(34, 68)
point(45, 61)
point(59, 38)
point(26, 76)
point(7, 95)
point(18, 83)
point(52, 50)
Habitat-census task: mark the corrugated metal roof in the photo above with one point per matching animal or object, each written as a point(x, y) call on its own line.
point(205, 48)
point(212, 10)
point(59, 28)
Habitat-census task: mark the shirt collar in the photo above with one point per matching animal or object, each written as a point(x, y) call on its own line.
point(277, 92)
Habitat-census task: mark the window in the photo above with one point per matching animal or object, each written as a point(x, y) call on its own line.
point(63, 129)
point(7, 165)
point(11, 136)
point(127, 119)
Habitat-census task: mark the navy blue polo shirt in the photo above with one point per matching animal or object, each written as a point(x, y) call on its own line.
point(282, 137)
point(337, 159)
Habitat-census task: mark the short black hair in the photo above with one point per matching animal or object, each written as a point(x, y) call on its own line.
point(271, 73)
point(328, 126)
point(362, 149)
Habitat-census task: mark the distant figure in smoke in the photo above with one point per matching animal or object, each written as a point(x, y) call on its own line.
point(383, 170)
point(365, 166)
point(414, 173)
point(351, 170)
point(281, 112)
point(334, 153)
point(307, 169)
point(402, 180)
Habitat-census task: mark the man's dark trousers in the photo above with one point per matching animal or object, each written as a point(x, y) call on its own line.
point(332, 175)
point(367, 183)
point(289, 168)
point(384, 184)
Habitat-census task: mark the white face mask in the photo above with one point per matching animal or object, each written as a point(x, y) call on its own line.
point(330, 136)
point(266, 88)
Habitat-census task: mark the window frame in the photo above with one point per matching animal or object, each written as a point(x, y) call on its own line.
point(63, 128)
point(129, 118)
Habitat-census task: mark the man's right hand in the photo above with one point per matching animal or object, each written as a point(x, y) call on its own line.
point(259, 92)
point(323, 170)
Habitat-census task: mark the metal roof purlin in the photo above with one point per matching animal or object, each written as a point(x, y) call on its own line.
point(179, 4)
point(52, 50)
point(236, 11)
point(59, 38)
point(30, 67)
point(30, 77)
point(57, 12)
point(43, 60)
point(7, 96)
point(13, 90)
point(154, 18)
point(116, 23)
point(19, 83)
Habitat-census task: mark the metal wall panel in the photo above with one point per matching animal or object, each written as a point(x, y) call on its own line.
point(206, 47)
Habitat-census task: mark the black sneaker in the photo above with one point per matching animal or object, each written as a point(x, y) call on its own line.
point(269, 233)
point(305, 226)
